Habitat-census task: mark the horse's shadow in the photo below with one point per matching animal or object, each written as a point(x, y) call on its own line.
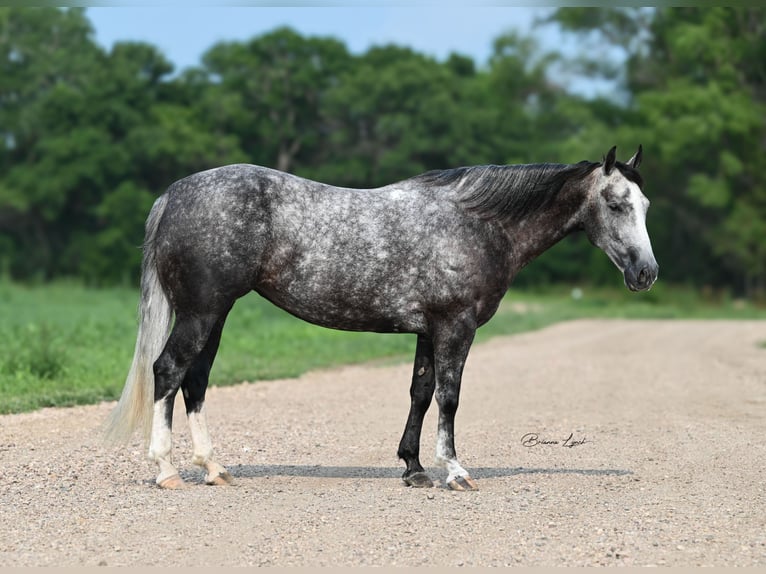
point(320, 471)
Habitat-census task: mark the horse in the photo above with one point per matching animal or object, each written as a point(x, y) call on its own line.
point(432, 255)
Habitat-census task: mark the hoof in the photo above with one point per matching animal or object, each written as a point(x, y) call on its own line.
point(173, 482)
point(462, 483)
point(221, 479)
point(418, 480)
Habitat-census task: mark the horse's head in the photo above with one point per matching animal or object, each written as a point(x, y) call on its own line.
point(616, 220)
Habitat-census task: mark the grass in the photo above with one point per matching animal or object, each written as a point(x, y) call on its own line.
point(65, 344)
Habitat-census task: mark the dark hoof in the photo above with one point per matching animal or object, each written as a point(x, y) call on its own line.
point(418, 480)
point(463, 483)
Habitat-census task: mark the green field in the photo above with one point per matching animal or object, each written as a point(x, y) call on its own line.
point(65, 344)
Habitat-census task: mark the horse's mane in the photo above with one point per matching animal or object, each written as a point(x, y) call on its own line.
point(512, 192)
point(507, 191)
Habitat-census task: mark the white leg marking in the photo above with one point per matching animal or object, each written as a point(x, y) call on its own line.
point(161, 443)
point(203, 449)
point(453, 467)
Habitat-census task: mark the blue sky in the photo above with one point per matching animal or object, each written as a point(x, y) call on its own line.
point(184, 33)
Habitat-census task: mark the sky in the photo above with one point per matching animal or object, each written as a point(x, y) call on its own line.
point(184, 33)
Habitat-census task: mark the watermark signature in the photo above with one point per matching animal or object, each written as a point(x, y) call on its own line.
point(534, 439)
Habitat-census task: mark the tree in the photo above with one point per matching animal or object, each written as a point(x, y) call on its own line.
point(393, 115)
point(702, 88)
point(40, 89)
point(270, 90)
point(91, 138)
point(697, 100)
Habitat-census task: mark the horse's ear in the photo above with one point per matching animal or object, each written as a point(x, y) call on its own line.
point(609, 160)
point(635, 161)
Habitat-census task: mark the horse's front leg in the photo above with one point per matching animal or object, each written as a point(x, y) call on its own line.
point(421, 394)
point(452, 341)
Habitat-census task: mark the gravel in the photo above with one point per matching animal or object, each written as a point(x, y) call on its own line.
point(672, 415)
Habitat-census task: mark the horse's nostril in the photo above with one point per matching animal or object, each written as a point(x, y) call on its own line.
point(643, 276)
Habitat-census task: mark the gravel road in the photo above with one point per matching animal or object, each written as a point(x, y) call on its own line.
point(650, 450)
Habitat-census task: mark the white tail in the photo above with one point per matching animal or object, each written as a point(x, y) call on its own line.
point(134, 409)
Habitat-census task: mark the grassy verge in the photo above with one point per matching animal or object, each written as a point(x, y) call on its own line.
point(65, 344)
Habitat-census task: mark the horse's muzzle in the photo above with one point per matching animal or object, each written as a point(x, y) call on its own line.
point(641, 276)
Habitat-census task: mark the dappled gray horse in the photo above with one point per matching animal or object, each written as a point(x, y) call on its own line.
point(431, 255)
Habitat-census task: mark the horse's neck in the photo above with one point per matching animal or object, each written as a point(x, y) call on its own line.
point(541, 230)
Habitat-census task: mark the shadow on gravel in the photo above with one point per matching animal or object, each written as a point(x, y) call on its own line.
point(256, 471)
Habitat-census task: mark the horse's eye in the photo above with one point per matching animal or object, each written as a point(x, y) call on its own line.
point(615, 206)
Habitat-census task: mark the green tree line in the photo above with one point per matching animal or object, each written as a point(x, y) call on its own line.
point(90, 136)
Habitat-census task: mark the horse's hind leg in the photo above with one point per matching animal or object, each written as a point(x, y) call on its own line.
point(421, 394)
point(187, 339)
point(193, 387)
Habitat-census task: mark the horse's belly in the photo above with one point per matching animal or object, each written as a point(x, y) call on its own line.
point(347, 310)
